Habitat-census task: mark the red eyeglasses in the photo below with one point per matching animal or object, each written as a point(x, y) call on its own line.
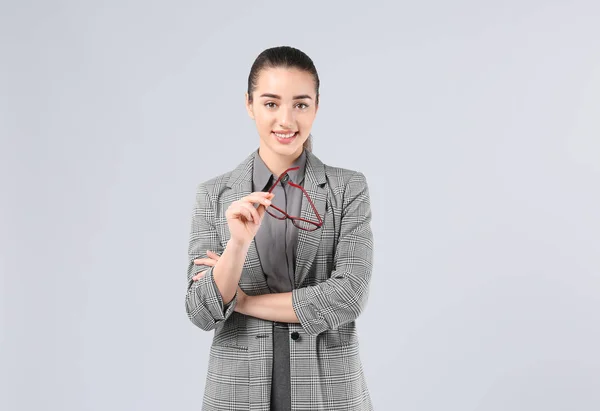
point(278, 213)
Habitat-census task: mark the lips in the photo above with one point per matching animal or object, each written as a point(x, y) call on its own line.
point(285, 138)
point(284, 133)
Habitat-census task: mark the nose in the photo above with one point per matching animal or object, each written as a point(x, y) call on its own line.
point(286, 119)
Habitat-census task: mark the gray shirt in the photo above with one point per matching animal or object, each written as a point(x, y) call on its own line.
point(276, 240)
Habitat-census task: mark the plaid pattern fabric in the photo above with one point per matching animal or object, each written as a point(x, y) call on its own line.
point(333, 272)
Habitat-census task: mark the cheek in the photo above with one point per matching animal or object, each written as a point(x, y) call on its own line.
point(260, 121)
point(307, 121)
point(263, 119)
point(264, 126)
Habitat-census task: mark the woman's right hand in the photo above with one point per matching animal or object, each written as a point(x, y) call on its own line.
point(244, 219)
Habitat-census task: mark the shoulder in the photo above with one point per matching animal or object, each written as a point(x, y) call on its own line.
point(348, 186)
point(342, 174)
point(214, 186)
point(209, 193)
point(341, 179)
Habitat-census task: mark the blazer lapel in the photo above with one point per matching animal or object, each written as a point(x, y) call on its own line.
point(253, 280)
point(315, 184)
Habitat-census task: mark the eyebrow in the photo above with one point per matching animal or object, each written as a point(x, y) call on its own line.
point(279, 97)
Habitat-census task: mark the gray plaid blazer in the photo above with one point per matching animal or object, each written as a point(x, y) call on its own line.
point(333, 271)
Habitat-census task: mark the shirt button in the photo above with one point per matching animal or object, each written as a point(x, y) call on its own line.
point(295, 335)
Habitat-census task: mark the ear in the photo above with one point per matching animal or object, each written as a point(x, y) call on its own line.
point(249, 107)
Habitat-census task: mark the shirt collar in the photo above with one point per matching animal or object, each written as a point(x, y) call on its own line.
point(261, 175)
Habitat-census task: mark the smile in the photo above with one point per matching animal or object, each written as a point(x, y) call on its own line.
point(284, 135)
point(285, 138)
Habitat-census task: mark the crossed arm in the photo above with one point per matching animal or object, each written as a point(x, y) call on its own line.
point(272, 307)
point(327, 305)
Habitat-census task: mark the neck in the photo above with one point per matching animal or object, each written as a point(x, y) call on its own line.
point(276, 163)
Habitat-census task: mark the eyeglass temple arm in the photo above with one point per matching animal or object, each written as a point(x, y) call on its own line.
point(310, 201)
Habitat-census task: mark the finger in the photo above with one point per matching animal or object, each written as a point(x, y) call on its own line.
point(261, 211)
point(258, 201)
point(205, 261)
point(264, 194)
point(254, 198)
point(240, 211)
point(199, 275)
point(234, 211)
point(212, 255)
point(252, 210)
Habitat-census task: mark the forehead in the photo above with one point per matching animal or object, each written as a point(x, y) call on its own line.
point(285, 82)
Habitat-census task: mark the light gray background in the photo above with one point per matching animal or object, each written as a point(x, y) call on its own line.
point(477, 126)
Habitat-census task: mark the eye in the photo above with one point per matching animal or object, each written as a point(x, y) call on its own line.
point(270, 104)
point(303, 105)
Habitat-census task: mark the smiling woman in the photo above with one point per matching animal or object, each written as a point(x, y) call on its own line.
point(280, 259)
point(286, 84)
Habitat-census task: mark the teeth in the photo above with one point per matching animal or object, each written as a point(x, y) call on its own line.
point(285, 135)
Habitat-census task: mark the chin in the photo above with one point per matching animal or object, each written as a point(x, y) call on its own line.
point(287, 150)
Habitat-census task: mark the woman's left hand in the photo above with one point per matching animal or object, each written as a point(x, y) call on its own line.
point(211, 261)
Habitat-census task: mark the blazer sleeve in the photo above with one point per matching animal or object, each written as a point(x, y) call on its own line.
point(342, 297)
point(203, 301)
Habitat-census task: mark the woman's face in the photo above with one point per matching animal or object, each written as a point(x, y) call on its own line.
point(283, 106)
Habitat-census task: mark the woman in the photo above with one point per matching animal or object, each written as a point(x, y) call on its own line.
point(280, 259)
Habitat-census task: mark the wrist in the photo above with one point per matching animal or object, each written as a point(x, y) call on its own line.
point(242, 303)
point(238, 245)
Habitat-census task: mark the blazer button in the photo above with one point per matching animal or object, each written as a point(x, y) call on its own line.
point(295, 335)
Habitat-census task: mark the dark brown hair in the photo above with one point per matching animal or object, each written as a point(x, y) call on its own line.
point(286, 57)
